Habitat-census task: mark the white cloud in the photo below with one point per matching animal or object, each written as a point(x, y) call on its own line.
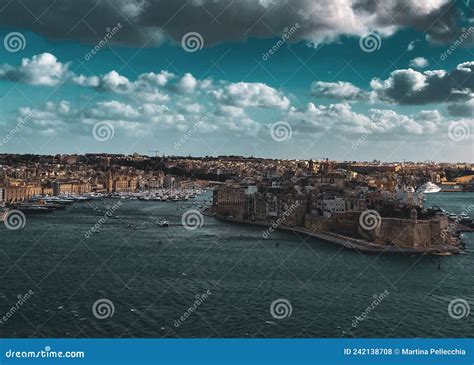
point(154, 79)
point(186, 84)
point(112, 110)
point(411, 46)
point(81, 80)
point(341, 121)
point(419, 62)
point(191, 107)
point(341, 90)
point(41, 69)
point(245, 95)
point(113, 81)
point(230, 111)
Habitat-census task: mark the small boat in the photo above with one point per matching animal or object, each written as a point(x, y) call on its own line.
point(442, 254)
point(163, 223)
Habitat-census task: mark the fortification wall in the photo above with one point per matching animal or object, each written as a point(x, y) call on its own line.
point(407, 233)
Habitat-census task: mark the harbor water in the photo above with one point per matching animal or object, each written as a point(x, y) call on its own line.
point(218, 280)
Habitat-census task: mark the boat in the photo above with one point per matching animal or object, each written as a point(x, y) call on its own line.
point(33, 208)
point(163, 223)
point(442, 253)
point(429, 188)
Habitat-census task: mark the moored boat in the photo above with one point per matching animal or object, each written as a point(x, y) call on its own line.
point(163, 222)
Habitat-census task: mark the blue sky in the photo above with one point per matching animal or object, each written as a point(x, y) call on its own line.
point(320, 94)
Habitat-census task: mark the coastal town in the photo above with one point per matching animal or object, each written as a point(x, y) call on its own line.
point(368, 206)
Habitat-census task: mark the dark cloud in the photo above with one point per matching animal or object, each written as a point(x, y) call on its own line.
point(412, 87)
point(149, 22)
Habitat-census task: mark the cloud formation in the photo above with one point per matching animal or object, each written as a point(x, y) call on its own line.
point(341, 91)
point(150, 22)
point(175, 103)
point(411, 87)
point(434, 86)
point(418, 62)
point(42, 69)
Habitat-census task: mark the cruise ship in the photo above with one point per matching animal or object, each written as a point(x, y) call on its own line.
point(429, 187)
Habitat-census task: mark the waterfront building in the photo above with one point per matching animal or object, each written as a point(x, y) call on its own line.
point(11, 194)
point(231, 201)
point(70, 188)
point(124, 184)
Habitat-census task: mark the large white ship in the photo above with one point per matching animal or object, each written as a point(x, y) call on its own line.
point(429, 187)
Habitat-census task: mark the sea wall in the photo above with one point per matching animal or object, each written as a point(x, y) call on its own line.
point(406, 233)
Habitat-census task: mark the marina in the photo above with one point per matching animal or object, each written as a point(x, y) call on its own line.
point(46, 204)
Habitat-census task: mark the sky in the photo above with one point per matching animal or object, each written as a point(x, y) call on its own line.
point(340, 79)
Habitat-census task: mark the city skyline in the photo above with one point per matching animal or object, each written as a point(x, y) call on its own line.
point(152, 155)
point(346, 81)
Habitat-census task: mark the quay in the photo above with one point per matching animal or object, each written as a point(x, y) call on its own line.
point(350, 242)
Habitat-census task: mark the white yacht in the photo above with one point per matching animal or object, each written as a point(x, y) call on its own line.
point(429, 187)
